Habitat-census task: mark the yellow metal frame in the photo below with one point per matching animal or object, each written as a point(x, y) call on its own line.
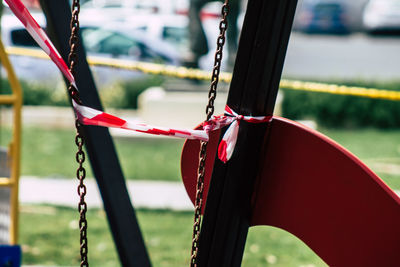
point(14, 99)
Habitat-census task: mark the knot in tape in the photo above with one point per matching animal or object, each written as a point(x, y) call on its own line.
point(228, 142)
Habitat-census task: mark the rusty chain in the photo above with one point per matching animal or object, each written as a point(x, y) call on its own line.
point(223, 25)
point(79, 141)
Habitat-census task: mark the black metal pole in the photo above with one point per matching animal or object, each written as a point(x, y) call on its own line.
point(256, 76)
point(99, 145)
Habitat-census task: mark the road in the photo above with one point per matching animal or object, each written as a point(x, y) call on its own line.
point(356, 56)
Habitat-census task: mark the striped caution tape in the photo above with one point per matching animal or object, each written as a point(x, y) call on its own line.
point(188, 73)
point(90, 116)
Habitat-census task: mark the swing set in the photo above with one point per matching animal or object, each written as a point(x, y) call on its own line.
point(241, 169)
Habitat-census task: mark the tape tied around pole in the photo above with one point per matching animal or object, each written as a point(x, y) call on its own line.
point(228, 142)
point(90, 116)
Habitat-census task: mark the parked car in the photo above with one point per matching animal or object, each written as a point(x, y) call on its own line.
point(137, 6)
point(28, 69)
point(382, 16)
point(172, 29)
point(323, 16)
point(113, 40)
point(170, 7)
point(168, 22)
point(119, 41)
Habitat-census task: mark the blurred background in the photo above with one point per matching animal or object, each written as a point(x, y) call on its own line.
point(354, 43)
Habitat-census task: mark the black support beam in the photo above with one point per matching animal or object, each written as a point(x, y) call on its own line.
point(253, 91)
point(100, 148)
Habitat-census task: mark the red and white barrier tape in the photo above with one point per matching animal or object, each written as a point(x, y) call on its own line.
point(37, 33)
point(90, 116)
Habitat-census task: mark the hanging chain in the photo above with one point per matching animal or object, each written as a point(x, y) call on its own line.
point(223, 25)
point(79, 141)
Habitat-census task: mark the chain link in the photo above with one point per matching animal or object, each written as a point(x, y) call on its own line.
point(79, 141)
point(223, 25)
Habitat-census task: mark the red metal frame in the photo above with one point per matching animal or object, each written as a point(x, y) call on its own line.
point(315, 189)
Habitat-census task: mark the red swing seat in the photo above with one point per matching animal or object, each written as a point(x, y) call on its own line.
point(315, 189)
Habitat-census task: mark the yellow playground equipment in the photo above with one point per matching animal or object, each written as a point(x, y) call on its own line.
point(10, 161)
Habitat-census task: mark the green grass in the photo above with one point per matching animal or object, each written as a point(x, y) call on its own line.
point(368, 143)
point(150, 159)
point(372, 146)
point(51, 153)
point(167, 236)
point(49, 236)
point(268, 246)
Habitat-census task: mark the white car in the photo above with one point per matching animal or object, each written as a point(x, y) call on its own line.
point(136, 6)
point(382, 16)
point(112, 40)
point(172, 29)
point(159, 19)
point(28, 69)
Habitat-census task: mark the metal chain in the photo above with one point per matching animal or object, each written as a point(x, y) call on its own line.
point(79, 141)
point(223, 25)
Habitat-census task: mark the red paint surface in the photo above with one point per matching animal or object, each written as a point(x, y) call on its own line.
point(190, 163)
point(315, 189)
